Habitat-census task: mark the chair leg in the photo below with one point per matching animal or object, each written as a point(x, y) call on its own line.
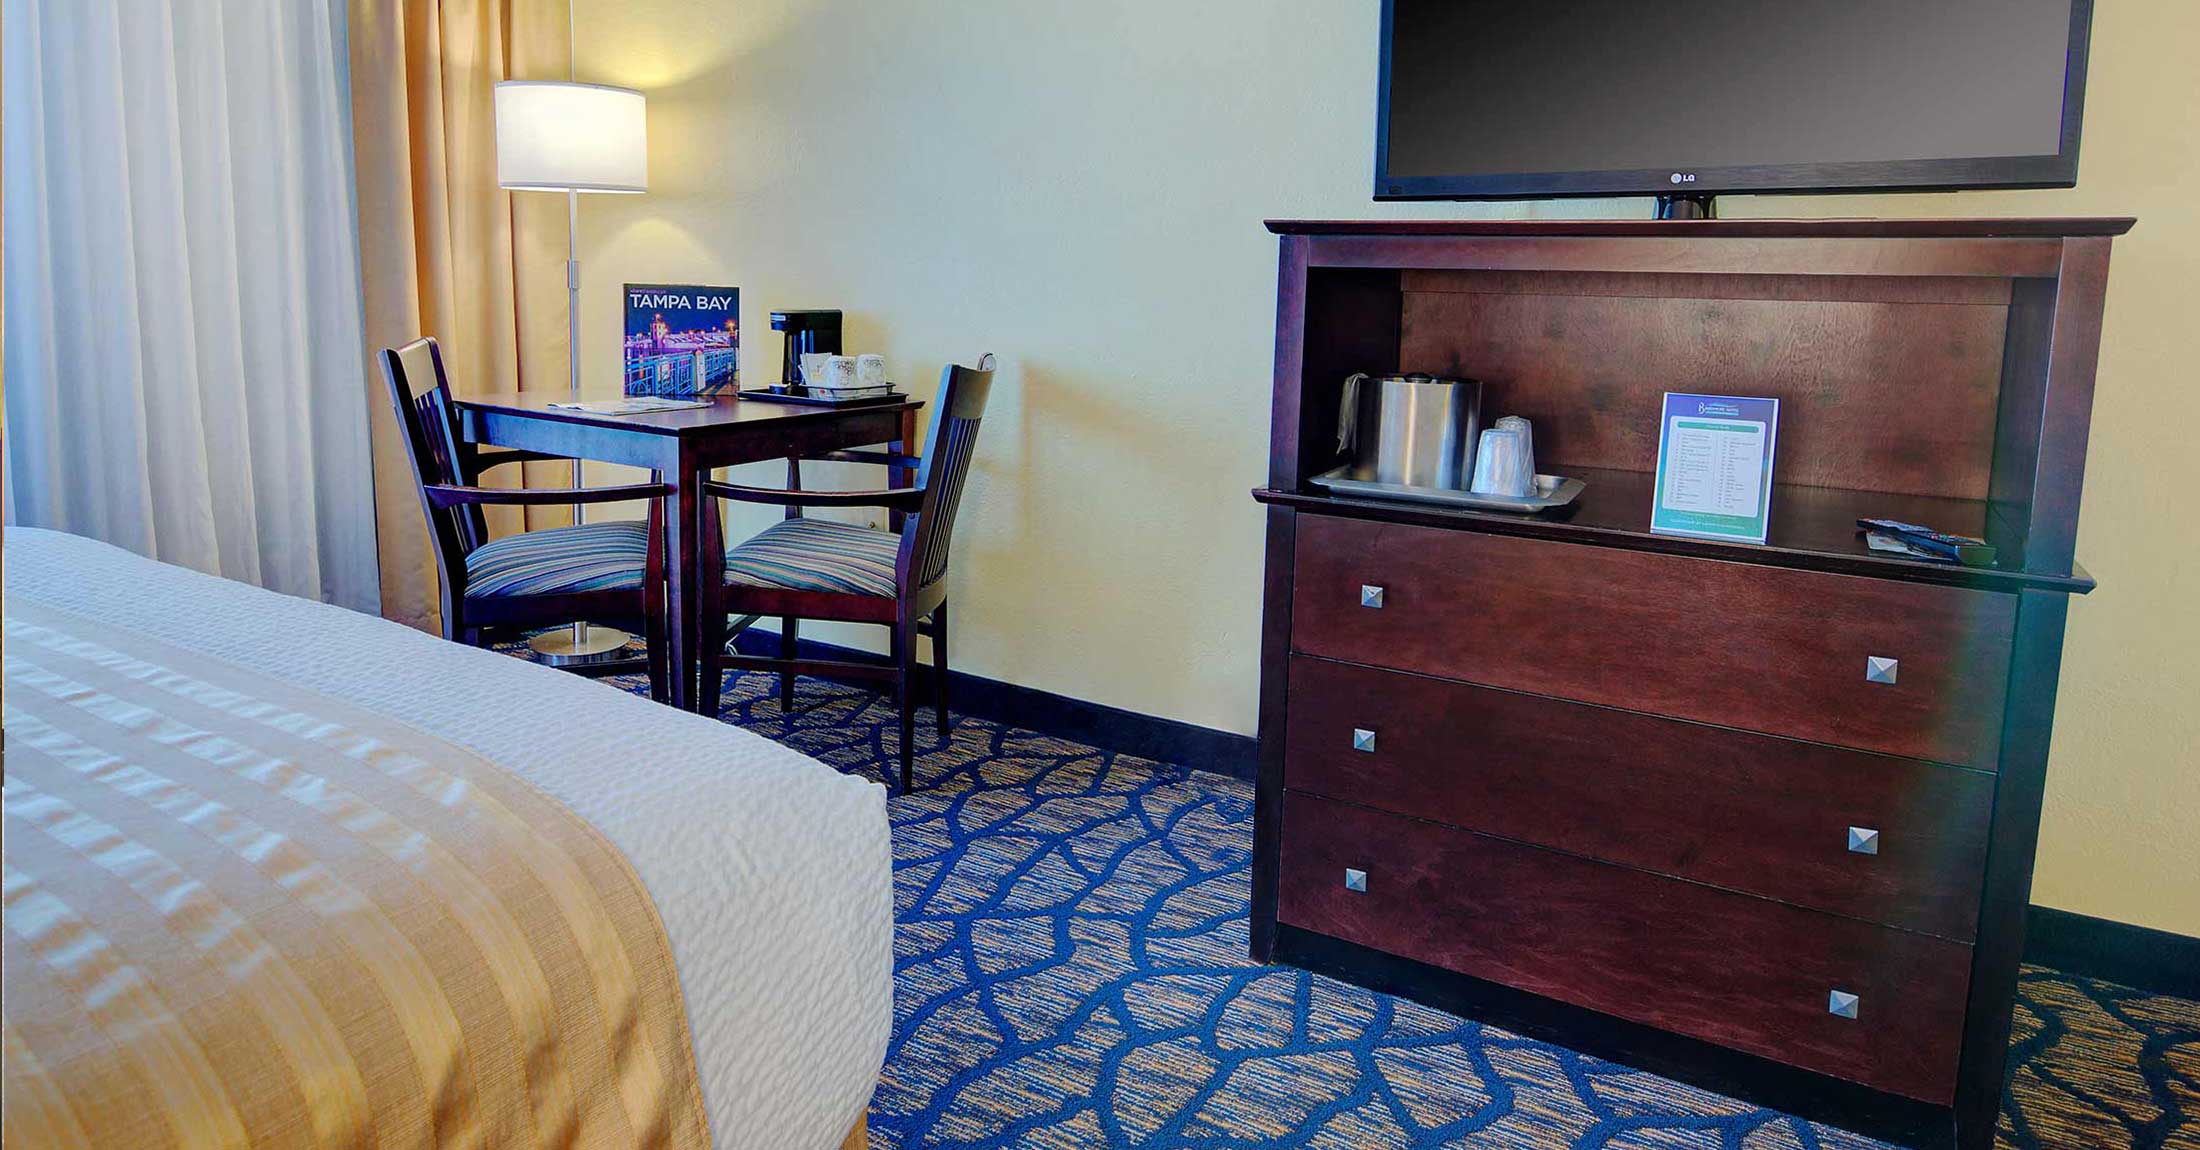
point(457, 630)
point(660, 663)
point(710, 629)
point(710, 610)
point(710, 656)
point(454, 616)
point(790, 634)
point(654, 604)
point(939, 669)
point(905, 698)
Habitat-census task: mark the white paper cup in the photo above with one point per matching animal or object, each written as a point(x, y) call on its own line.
point(837, 371)
point(1527, 439)
point(1501, 464)
point(870, 371)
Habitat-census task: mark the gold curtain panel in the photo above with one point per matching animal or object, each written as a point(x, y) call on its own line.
point(444, 251)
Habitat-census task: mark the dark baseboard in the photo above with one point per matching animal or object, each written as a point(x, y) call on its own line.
point(1094, 724)
point(2135, 956)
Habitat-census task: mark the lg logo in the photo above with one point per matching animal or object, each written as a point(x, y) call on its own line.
point(1684, 177)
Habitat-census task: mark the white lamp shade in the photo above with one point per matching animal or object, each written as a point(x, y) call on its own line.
point(556, 137)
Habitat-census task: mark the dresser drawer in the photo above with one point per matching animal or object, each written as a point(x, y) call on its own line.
point(1872, 836)
point(1744, 972)
point(1908, 669)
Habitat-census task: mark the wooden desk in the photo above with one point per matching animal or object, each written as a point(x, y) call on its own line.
point(684, 446)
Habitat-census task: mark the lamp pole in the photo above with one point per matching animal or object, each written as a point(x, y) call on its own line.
point(572, 137)
point(583, 642)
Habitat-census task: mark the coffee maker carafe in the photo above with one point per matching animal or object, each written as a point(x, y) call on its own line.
point(816, 330)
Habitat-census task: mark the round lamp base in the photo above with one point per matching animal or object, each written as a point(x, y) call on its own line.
point(578, 645)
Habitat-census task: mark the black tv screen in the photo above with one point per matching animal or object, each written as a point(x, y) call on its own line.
point(1489, 100)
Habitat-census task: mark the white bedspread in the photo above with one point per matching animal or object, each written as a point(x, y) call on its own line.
point(772, 872)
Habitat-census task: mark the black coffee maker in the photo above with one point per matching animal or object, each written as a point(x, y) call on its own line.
point(807, 332)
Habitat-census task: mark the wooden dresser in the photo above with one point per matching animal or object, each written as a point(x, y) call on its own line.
point(1761, 817)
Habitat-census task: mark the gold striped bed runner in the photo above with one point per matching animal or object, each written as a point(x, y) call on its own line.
point(240, 913)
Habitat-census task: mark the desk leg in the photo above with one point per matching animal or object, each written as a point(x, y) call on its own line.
point(902, 476)
point(682, 529)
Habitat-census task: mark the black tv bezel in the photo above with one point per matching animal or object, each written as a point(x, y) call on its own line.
point(1966, 174)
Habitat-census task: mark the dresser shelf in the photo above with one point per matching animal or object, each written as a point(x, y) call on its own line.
point(1812, 528)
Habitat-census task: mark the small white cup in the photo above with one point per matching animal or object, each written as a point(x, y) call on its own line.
point(870, 371)
point(1501, 464)
point(835, 371)
point(1527, 439)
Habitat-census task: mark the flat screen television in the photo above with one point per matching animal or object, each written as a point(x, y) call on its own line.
point(1517, 99)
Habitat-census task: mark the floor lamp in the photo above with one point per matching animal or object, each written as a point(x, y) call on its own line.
point(561, 136)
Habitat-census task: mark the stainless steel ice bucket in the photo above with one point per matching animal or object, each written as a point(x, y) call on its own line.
point(1415, 430)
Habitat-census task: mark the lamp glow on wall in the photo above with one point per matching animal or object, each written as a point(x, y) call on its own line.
point(561, 136)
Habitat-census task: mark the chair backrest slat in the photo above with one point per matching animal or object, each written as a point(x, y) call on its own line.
point(947, 454)
point(421, 393)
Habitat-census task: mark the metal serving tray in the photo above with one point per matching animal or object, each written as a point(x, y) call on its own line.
point(1550, 491)
point(853, 397)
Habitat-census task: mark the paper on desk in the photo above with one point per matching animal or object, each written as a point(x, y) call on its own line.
point(632, 405)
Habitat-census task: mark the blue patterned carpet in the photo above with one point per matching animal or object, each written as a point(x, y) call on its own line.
point(1072, 972)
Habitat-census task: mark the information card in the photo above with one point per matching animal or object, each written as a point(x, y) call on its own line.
point(1715, 466)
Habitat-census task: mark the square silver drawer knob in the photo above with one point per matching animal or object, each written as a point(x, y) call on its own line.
point(1371, 596)
point(1363, 740)
point(1355, 880)
point(1863, 840)
point(1880, 669)
point(1842, 1004)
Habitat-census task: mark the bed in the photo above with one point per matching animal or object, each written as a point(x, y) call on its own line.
point(769, 872)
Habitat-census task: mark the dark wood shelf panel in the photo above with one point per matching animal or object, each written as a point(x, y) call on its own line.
point(1813, 528)
point(2047, 227)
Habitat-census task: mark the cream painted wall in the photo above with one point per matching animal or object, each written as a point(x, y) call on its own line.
point(1079, 187)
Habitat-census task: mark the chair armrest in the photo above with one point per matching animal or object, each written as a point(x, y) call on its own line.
point(882, 458)
point(446, 495)
point(484, 460)
point(898, 498)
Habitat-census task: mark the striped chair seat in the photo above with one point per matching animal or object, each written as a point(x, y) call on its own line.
point(593, 557)
point(816, 555)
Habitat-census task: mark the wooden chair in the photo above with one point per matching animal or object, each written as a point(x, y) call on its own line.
point(815, 569)
point(612, 573)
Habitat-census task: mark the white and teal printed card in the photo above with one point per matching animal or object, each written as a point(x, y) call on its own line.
point(1714, 478)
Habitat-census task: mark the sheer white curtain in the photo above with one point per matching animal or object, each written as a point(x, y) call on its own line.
point(184, 359)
